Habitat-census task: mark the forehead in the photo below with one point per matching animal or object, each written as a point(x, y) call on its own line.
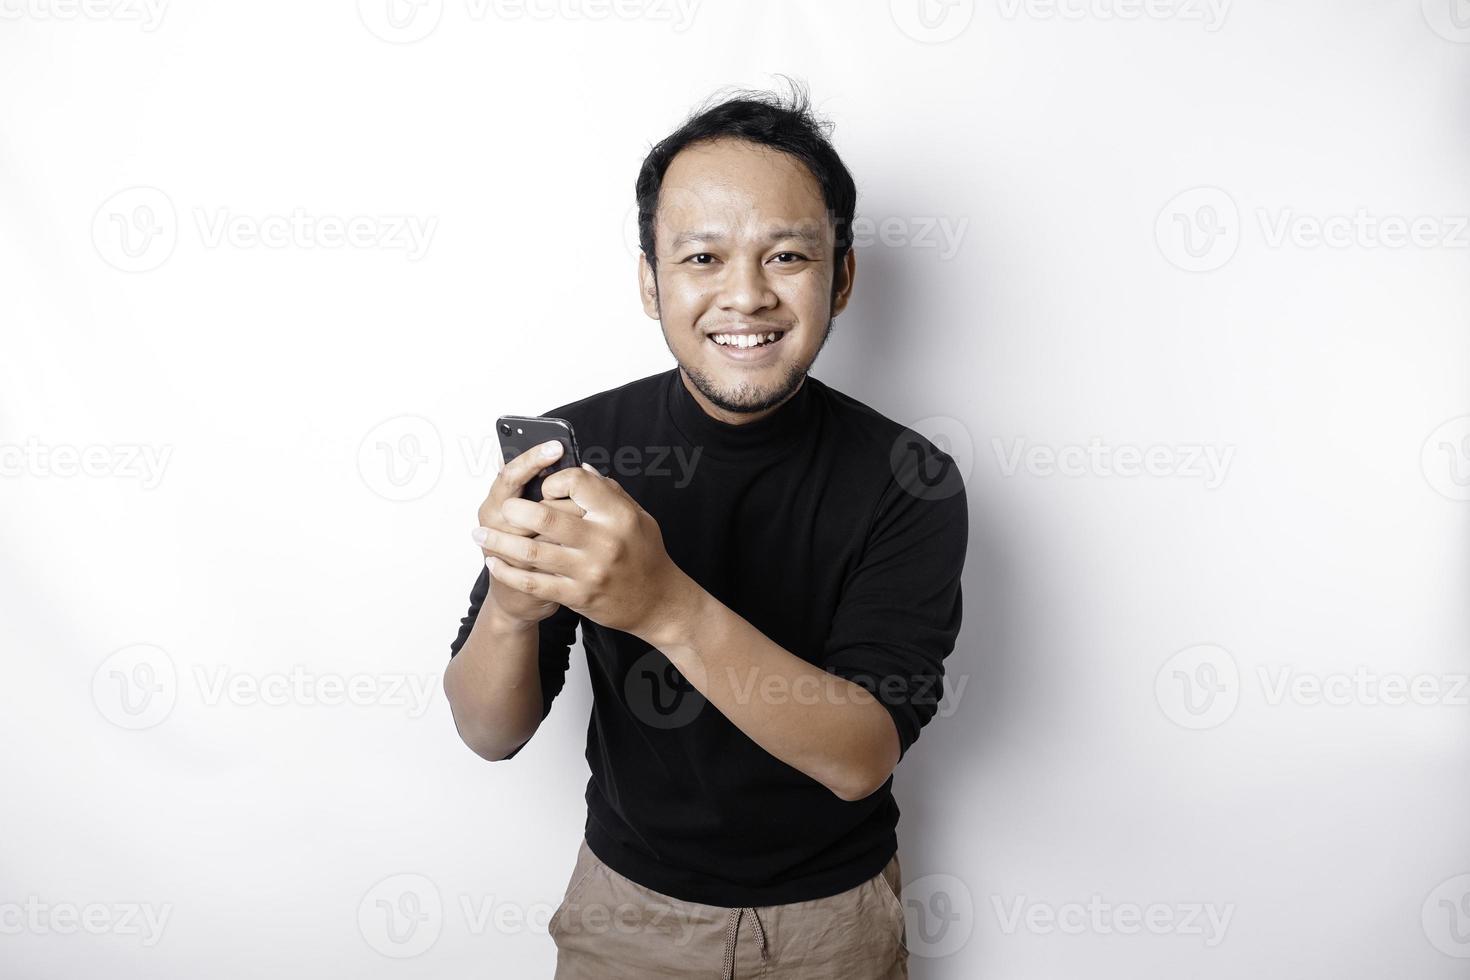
point(739, 185)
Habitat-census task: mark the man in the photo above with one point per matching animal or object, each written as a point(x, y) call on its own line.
point(767, 582)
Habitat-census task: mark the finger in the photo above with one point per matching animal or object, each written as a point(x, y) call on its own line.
point(589, 489)
point(538, 585)
point(515, 474)
point(565, 506)
point(547, 523)
point(480, 535)
point(526, 552)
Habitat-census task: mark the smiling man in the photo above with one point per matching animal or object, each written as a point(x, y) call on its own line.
point(766, 632)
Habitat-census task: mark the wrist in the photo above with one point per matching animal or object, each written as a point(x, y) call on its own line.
point(673, 624)
point(501, 623)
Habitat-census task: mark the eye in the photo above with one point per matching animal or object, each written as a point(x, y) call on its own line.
point(700, 255)
point(795, 257)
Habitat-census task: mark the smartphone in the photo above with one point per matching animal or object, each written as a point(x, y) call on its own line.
point(521, 432)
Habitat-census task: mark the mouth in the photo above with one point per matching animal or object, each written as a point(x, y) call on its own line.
point(747, 347)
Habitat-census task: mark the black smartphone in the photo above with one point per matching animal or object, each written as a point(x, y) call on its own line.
point(520, 432)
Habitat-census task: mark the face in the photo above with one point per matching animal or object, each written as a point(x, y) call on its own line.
point(744, 247)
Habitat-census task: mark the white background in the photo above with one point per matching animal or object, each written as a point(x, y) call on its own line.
point(319, 420)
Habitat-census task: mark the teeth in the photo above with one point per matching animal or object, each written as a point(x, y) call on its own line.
point(743, 340)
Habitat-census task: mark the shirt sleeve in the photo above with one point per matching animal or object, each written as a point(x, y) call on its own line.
point(900, 607)
point(555, 635)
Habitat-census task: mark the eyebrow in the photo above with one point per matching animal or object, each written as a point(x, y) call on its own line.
point(779, 234)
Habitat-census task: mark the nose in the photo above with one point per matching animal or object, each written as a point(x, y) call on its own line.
point(744, 288)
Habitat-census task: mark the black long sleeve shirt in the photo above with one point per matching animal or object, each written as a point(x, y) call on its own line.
point(836, 532)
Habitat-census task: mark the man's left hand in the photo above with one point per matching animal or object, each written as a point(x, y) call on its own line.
point(609, 564)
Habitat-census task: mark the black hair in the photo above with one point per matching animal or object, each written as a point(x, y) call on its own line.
point(764, 118)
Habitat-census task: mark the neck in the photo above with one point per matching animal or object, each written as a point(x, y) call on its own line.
point(726, 415)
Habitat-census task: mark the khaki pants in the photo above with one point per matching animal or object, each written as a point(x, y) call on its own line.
point(608, 927)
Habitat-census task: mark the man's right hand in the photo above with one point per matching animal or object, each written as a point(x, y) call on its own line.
point(516, 608)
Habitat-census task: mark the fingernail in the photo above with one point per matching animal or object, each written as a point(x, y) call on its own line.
point(480, 534)
point(590, 468)
point(551, 448)
point(490, 564)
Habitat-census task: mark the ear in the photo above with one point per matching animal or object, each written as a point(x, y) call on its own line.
point(848, 270)
point(647, 287)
